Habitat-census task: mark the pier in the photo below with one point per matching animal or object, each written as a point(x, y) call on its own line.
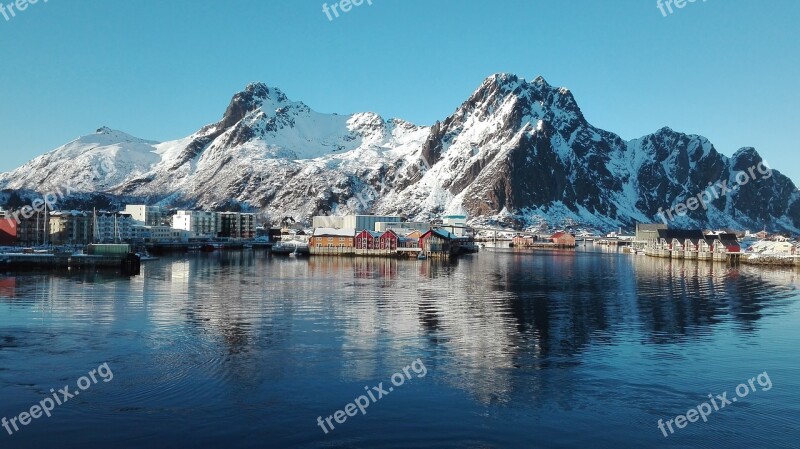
point(164, 248)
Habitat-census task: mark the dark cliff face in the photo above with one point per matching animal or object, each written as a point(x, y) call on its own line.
point(768, 194)
point(678, 166)
point(248, 101)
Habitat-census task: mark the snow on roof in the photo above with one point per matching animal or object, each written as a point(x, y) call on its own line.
point(374, 234)
point(333, 232)
point(767, 247)
point(442, 233)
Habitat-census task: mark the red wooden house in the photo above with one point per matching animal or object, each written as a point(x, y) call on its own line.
point(366, 239)
point(439, 243)
point(388, 241)
point(726, 243)
point(376, 243)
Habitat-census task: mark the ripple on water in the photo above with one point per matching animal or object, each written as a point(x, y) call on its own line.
point(208, 348)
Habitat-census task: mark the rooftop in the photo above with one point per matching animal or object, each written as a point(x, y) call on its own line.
point(333, 232)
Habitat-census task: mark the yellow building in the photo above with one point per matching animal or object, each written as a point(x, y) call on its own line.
point(332, 241)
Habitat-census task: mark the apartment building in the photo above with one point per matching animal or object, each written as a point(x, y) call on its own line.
point(147, 215)
point(237, 225)
point(110, 227)
point(199, 223)
point(70, 227)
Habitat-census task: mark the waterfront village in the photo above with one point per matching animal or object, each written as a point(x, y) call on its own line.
point(140, 229)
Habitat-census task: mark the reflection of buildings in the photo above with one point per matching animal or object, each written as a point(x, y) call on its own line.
point(8, 287)
point(682, 298)
point(378, 268)
point(244, 318)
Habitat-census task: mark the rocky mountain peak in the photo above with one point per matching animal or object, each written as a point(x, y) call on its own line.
point(255, 96)
point(540, 80)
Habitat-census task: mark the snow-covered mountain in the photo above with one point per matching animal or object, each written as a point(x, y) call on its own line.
point(515, 152)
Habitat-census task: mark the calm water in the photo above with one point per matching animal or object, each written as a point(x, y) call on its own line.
point(521, 350)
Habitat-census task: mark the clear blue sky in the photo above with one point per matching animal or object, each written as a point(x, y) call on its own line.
point(726, 69)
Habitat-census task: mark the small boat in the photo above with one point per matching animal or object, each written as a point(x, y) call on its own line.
point(421, 257)
point(247, 246)
point(292, 248)
point(145, 257)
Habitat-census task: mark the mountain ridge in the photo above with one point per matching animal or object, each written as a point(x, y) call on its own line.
point(516, 152)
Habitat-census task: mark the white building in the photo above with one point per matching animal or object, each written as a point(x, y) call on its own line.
point(402, 227)
point(199, 223)
point(146, 215)
point(110, 227)
point(367, 222)
point(357, 222)
point(159, 234)
point(456, 224)
point(325, 221)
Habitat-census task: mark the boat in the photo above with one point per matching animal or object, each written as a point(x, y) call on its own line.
point(421, 256)
point(146, 257)
point(292, 248)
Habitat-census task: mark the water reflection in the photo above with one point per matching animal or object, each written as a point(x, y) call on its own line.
point(241, 332)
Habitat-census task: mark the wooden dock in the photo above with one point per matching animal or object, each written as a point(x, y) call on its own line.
point(165, 248)
point(544, 245)
point(732, 258)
